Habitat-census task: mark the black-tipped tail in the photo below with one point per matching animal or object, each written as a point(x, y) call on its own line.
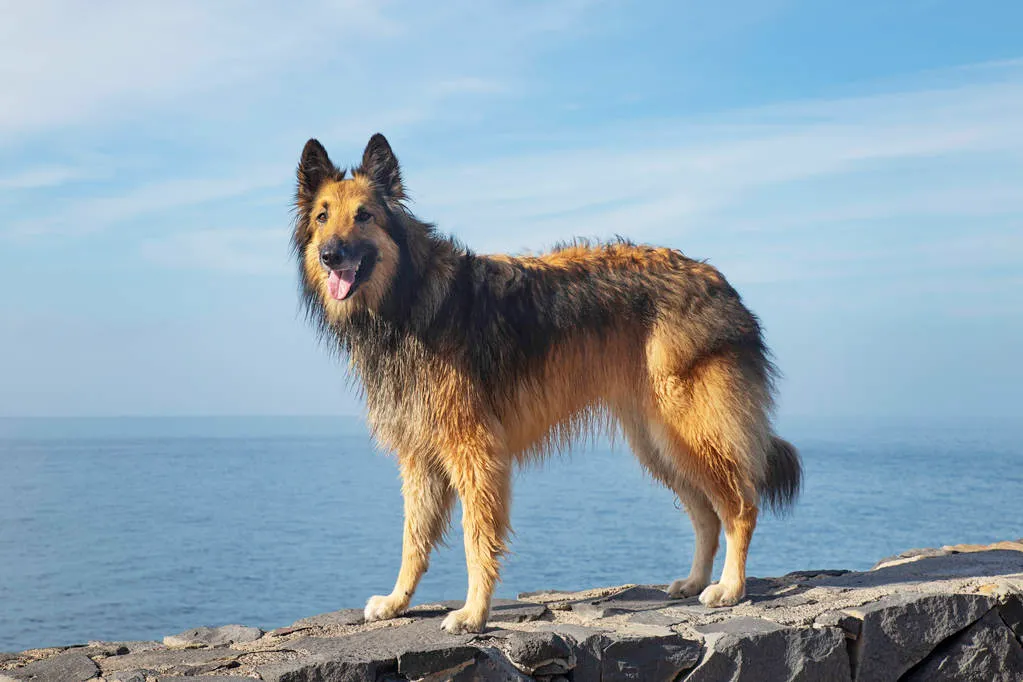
point(784, 475)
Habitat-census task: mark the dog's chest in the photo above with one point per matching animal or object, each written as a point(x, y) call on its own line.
point(402, 389)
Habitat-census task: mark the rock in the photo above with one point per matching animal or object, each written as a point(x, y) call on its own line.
point(540, 653)
point(848, 624)
point(661, 655)
point(755, 649)
point(128, 676)
point(1011, 611)
point(219, 636)
point(909, 555)
point(511, 611)
point(1004, 544)
point(172, 661)
point(490, 666)
point(941, 566)
point(501, 610)
point(97, 648)
point(366, 654)
point(628, 601)
point(802, 576)
point(984, 652)
point(673, 615)
point(899, 631)
point(342, 618)
point(588, 646)
point(321, 669)
point(69, 666)
point(443, 661)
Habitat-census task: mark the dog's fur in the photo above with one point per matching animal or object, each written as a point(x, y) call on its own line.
point(471, 364)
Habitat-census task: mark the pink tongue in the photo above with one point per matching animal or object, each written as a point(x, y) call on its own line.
point(339, 283)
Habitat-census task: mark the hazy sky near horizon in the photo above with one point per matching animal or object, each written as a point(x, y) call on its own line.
point(855, 170)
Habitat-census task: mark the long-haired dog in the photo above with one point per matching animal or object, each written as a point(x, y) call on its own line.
point(471, 363)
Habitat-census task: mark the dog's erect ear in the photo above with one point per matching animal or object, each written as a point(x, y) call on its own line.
point(314, 167)
point(380, 164)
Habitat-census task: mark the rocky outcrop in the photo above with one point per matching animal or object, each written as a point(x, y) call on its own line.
point(954, 613)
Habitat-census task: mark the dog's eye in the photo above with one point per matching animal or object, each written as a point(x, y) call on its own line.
point(322, 218)
point(362, 215)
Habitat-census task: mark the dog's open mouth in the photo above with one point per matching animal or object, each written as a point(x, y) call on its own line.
point(341, 283)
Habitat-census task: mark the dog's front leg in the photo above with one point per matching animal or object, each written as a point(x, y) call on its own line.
point(483, 481)
point(428, 500)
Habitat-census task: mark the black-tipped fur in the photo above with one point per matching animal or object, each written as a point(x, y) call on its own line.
point(784, 477)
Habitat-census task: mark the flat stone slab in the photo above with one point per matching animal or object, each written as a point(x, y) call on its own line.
point(342, 618)
point(67, 666)
point(630, 600)
point(948, 613)
point(197, 661)
point(218, 636)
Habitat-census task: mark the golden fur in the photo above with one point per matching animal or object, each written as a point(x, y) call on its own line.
point(583, 339)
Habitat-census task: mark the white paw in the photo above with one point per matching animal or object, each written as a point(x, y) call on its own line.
point(690, 587)
point(382, 607)
point(722, 594)
point(462, 621)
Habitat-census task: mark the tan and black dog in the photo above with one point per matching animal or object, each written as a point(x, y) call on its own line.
point(471, 363)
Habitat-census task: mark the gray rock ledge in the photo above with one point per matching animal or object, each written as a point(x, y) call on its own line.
point(954, 613)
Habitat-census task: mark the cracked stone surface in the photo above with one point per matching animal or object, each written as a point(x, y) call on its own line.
point(219, 636)
point(935, 614)
point(986, 651)
point(898, 632)
point(758, 649)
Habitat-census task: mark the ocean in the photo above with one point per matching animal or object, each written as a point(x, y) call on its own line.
point(120, 529)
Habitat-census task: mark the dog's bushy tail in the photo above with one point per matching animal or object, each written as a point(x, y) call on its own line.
point(784, 475)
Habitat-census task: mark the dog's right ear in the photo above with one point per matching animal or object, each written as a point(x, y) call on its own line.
point(313, 169)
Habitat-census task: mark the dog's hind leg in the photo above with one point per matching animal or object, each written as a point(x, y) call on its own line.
point(714, 416)
point(429, 498)
point(706, 524)
point(707, 527)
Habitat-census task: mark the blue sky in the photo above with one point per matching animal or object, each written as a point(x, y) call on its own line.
point(855, 169)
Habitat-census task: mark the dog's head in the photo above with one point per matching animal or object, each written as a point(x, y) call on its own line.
point(345, 228)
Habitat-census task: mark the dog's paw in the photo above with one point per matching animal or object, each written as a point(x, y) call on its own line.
point(463, 621)
point(690, 587)
point(382, 607)
point(722, 594)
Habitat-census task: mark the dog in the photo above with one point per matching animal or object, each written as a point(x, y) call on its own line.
point(471, 364)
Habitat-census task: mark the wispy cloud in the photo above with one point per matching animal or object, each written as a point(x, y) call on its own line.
point(41, 177)
point(82, 217)
point(229, 250)
point(174, 72)
point(66, 63)
point(753, 172)
point(657, 191)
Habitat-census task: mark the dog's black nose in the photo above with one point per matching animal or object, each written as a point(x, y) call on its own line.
point(333, 253)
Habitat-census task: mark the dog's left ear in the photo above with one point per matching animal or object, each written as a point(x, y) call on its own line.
point(381, 165)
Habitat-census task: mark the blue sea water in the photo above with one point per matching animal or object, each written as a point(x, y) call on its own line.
point(139, 528)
